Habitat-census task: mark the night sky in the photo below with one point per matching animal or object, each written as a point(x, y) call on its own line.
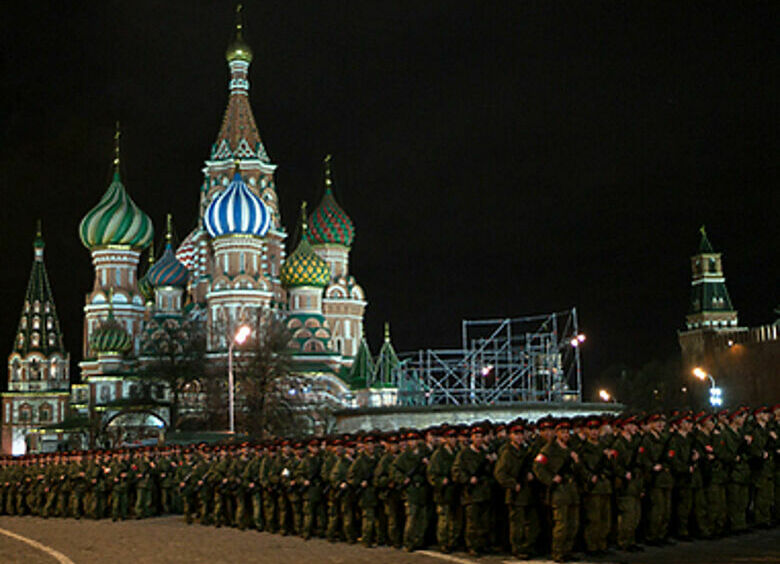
point(497, 159)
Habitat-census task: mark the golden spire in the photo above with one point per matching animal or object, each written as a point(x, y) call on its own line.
point(38, 231)
point(236, 166)
point(169, 227)
point(239, 19)
point(304, 221)
point(703, 231)
point(151, 252)
point(387, 331)
point(117, 134)
point(326, 165)
point(238, 49)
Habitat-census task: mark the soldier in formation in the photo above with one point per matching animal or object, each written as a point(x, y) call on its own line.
point(557, 486)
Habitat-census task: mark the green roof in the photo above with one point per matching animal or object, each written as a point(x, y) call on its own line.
point(39, 327)
point(363, 367)
point(704, 245)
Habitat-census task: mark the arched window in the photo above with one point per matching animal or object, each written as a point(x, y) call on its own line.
point(35, 370)
point(44, 413)
point(16, 370)
point(25, 413)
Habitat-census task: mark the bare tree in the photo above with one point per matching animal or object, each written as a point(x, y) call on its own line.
point(173, 352)
point(268, 389)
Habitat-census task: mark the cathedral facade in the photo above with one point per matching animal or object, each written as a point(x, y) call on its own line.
point(232, 267)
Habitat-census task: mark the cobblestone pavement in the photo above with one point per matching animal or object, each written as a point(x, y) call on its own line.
point(169, 540)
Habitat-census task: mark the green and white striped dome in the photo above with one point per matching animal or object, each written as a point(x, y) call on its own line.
point(116, 220)
point(110, 337)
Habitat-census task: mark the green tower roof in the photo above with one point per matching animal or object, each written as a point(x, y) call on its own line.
point(39, 327)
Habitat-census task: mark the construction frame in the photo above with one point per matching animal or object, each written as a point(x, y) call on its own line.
point(526, 359)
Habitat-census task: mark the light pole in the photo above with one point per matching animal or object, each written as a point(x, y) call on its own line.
point(240, 337)
point(716, 394)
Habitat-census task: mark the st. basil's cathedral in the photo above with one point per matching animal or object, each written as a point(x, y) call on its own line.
point(231, 267)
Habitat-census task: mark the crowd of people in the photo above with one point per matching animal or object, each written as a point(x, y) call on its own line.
point(555, 486)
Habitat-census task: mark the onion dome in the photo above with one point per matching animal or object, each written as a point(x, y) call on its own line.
point(304, 267)
point(144, 286)
point(168, 271)
point(237, 211)
point(110, 336)
point(116, 220)
point(238, 50)
point(330, 224)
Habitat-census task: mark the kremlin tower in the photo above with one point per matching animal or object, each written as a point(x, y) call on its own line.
point(38, 366)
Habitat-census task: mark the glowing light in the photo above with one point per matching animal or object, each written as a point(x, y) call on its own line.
point(699, 373)
point(716, 397)
point(487, 369)
point(604, 395)
point(731, 343)
point(242, 334)
point(577, 340)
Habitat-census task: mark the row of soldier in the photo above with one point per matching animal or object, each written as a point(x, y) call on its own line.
point(553, 486)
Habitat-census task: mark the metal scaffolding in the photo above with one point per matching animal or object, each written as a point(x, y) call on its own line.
point(533, 358)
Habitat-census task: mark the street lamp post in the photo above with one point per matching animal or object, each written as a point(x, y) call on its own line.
point(239, 338)
point(716, 394)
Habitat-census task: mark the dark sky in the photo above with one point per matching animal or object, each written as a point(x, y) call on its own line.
point(498, 159)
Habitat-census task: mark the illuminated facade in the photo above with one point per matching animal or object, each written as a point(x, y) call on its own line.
point(38, 368)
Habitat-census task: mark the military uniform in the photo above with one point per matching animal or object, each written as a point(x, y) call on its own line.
point(408, 473)
point(307, 473)
point(555, 467)
point(360, 478)
point(445, 495)
point(389, 498)
point(597, 489)
point(474, 471)
point(513, 474)
point(628, 484)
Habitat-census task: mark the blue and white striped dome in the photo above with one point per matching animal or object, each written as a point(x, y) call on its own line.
point(237, 211)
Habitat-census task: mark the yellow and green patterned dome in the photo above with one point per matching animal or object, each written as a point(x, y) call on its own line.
point(304, 267)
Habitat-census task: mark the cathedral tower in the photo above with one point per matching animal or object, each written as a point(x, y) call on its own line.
point(115, 231)
point(237, 222)
point(332, 235)
point(305, 275)
point(238, 149)
point(38, 366)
